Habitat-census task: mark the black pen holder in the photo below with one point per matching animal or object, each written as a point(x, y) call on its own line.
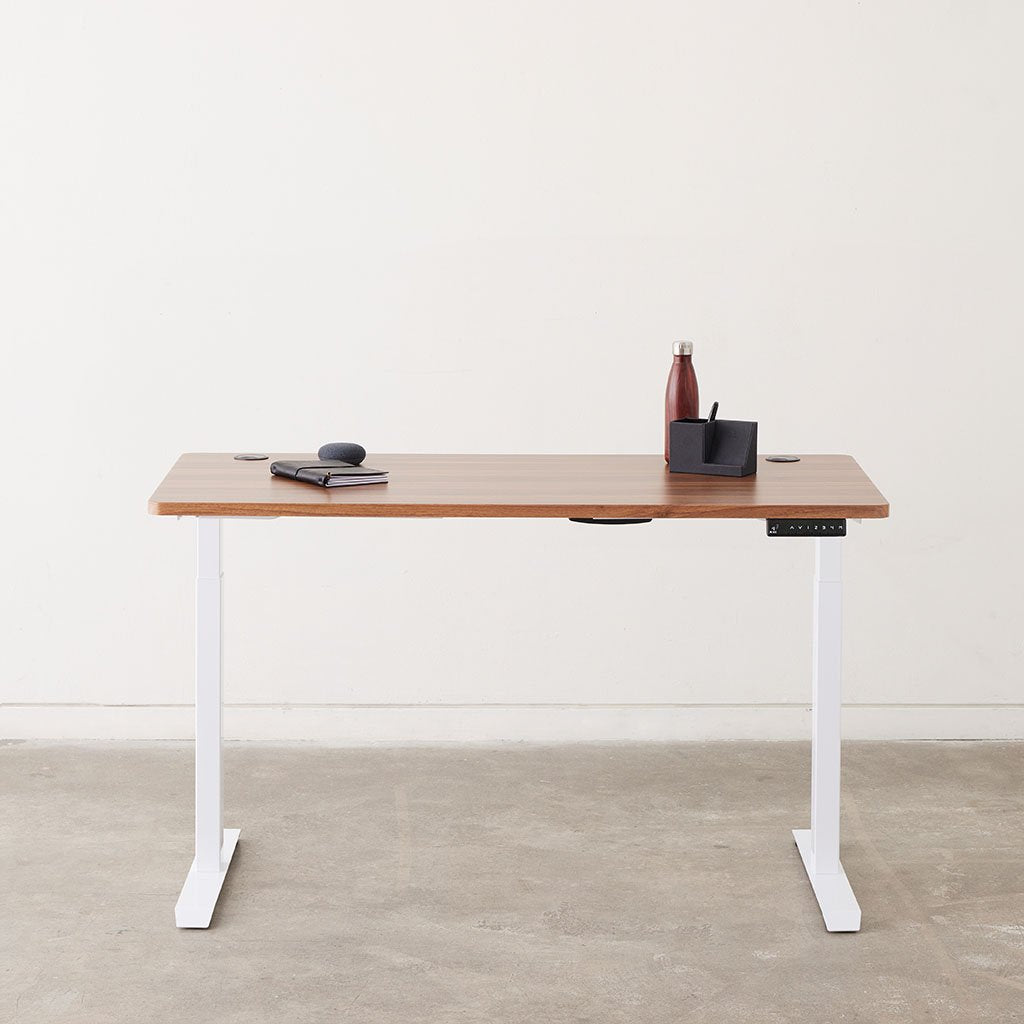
point(713, 447)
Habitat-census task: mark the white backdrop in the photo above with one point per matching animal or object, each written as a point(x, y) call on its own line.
point(478, 227)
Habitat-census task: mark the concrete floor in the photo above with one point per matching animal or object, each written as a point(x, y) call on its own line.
point(582, 883)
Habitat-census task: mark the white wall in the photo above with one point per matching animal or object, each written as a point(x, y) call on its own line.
point(478, 227)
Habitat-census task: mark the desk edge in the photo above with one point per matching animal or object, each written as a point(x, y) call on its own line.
point(421, 511)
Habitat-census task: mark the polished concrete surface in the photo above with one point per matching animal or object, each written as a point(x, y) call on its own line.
point(635, 883)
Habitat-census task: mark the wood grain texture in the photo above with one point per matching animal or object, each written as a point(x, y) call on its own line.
point(525, 486)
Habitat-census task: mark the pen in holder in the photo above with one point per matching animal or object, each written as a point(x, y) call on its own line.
point(714, 447)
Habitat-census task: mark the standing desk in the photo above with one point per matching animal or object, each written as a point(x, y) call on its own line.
point(809, 499)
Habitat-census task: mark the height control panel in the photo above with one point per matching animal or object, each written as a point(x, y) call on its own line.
point(806, 527)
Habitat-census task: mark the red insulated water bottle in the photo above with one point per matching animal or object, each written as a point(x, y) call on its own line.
point(681, 398)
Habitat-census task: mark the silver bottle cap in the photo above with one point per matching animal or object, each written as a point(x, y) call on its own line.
point(682, 348)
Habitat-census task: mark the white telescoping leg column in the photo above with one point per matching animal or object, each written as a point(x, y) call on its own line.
point(215, 845)
point(819, 845)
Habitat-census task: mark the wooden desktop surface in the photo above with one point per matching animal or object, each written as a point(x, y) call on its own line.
point(525, 486)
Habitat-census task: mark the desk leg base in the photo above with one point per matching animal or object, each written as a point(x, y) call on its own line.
point(194, 908)
point(838, 905)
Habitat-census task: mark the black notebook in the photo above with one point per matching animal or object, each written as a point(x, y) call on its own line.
point(329, 473)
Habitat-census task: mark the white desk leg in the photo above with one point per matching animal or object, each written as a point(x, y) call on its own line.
point(819, 845)
point(215, 845)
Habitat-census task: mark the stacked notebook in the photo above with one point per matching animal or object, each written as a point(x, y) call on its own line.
point(328, 473)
